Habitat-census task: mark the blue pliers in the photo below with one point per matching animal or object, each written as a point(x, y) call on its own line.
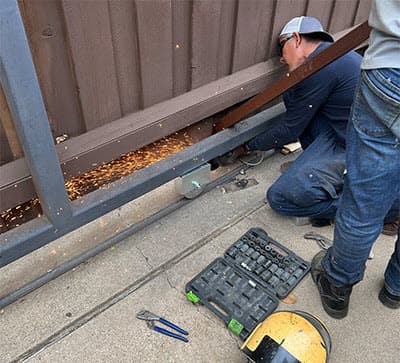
point(152, 318)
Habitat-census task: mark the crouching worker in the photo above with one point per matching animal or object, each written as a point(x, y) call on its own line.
point(317, 112)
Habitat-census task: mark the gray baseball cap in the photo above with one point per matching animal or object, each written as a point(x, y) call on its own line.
point(306, 25)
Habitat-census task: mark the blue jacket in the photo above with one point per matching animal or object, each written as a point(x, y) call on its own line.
point(319, 103)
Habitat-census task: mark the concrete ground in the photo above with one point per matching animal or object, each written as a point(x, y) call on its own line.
point(88, 314)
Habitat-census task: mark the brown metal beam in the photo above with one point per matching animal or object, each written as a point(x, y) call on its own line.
point(348, 42)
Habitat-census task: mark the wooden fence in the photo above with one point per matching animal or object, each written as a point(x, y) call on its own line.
point(100, 60)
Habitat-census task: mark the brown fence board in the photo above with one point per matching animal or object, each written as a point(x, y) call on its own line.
point(246, 34)
point(320, 9)
point(226, 38)
point(181, 33)
point(264, 39)
point(89, 33)
point(5, 150)
point(9, 142)
point(362, 11)
point(343, 15)
point(205, 43)
point(284, 11)
point(252, 33)
point(124, 37)
point(154, 19)
point(44, 25)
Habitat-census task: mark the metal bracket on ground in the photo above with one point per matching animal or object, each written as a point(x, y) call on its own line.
point(191, 185)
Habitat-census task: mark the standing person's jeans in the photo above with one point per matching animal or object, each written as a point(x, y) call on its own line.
point(372, 183)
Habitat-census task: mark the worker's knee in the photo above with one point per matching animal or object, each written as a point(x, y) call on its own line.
point(287, 195)
point(276, 198)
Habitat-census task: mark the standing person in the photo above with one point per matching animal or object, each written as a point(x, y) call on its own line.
point(372, 183)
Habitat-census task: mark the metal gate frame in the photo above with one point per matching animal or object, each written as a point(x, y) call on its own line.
point(21, 87)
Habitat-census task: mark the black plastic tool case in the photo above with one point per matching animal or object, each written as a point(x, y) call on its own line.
point(243, 287)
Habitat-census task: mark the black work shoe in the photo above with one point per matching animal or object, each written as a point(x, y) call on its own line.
point(320, 222)
point(335, 300)
point(390, 229)
point(388, 299)
point(228, 158)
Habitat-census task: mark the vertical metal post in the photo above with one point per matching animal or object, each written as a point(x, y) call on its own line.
point(21, 87)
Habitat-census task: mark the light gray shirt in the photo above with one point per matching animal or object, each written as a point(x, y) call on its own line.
point(384, 41)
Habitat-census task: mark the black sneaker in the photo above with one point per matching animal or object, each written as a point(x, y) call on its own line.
point(388, 299)
point(320, 222)
point(335, 300)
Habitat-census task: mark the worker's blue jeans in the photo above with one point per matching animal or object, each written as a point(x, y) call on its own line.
point(372, 183)
point(312, 184)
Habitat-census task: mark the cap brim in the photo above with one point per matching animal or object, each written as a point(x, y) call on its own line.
point(321, 35)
